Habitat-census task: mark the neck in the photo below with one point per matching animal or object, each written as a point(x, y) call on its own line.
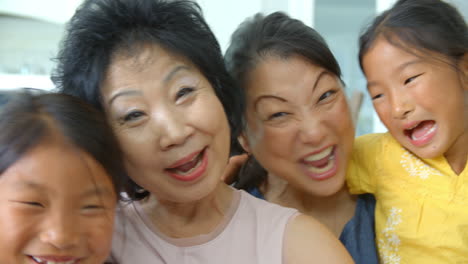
point(182, 220)
point(334, 211)
point(457, 155)
point(457, 159)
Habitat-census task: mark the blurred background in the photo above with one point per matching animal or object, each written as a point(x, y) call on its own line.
point(31, 30)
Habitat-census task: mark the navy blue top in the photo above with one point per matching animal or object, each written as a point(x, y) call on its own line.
point(358, 235)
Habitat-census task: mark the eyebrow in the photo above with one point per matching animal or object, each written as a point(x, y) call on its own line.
point(115, 96)
point(97, 190)
point(399, 68)
point(91, 191)
point(269, 96)
point(174, 71)
point(166, 79)
point(29, 185)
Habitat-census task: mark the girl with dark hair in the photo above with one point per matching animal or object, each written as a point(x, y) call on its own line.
point(297, 127)
point(59, 180)
point(414, 57)
point(155, 68)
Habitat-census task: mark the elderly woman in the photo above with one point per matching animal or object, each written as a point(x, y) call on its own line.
point(156, 70)
point(298, 127)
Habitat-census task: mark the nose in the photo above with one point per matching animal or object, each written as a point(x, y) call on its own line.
point(173, 127)
point(61, 231)
point(401, 104)
point(312, 129)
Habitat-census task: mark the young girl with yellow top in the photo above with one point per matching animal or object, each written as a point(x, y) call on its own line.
point(414, 58)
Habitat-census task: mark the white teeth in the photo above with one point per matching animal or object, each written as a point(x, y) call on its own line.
point(320, 155)
point(38, 260)
point(193, 168)
point(330, 164)
point(427, 133)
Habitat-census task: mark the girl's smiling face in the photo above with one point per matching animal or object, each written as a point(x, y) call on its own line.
point(56, 206)
point(298, 124)
point(422, 100)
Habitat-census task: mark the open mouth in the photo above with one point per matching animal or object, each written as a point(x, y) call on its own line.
point(190, 170)
point(321, 165)
point(55, 260)
point(421, 133)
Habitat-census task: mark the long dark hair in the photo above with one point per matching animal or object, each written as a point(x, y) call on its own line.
point(28, 117)
point(261, 36)
point(422, 25)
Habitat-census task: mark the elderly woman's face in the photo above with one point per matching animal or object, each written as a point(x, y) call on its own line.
point(170, 123)
point(298, 124)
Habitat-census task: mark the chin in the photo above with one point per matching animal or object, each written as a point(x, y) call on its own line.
point(429, 151)
point(329, 188)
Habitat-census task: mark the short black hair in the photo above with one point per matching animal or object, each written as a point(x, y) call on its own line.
point(29, 117)
point(277, 35)
point(100, 29)
point(421, 25)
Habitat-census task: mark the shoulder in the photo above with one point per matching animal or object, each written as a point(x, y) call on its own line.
point(264, 210)
point(374, 141)
point(370, 140)
point(369, 150)
point(307, 241)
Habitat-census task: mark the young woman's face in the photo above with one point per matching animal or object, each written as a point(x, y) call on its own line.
point(298, 124)
point(56, 206)
point(170, 123)
point(423, 102)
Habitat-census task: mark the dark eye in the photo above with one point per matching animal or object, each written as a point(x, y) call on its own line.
point(326, 95)
point(35, 204)
point(184, 91)
point(277, 115)
point(412, 78)
point(132, 116)
point(93, 210)
point(92, 207)
point(377, 96)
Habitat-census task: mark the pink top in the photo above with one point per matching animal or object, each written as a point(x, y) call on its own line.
point(251, 232)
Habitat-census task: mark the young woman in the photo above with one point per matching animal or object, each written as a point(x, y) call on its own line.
point(297, 125)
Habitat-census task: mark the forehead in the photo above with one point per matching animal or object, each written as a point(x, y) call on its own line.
point(285, 75)
point(145, 59)
point(149, 66)
point(392, 48)
point(56, 166)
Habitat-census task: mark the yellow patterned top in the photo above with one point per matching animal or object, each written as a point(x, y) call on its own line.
point(422, 205)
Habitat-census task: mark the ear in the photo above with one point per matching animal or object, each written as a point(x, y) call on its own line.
point(244, 142)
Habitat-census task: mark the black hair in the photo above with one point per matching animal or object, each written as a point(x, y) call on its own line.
point(100, 29)
point(260, 37)
point(30, 117)
point(419, 25)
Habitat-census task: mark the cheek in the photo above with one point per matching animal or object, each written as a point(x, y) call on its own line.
point(340, 119)
point(138, 147)
point(17, 231)
point(269, 142)
point(99, 235)
point(383, 111)
point(209, 115)
point(343, 115)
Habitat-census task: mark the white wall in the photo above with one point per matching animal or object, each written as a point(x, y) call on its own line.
point(224, 16)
